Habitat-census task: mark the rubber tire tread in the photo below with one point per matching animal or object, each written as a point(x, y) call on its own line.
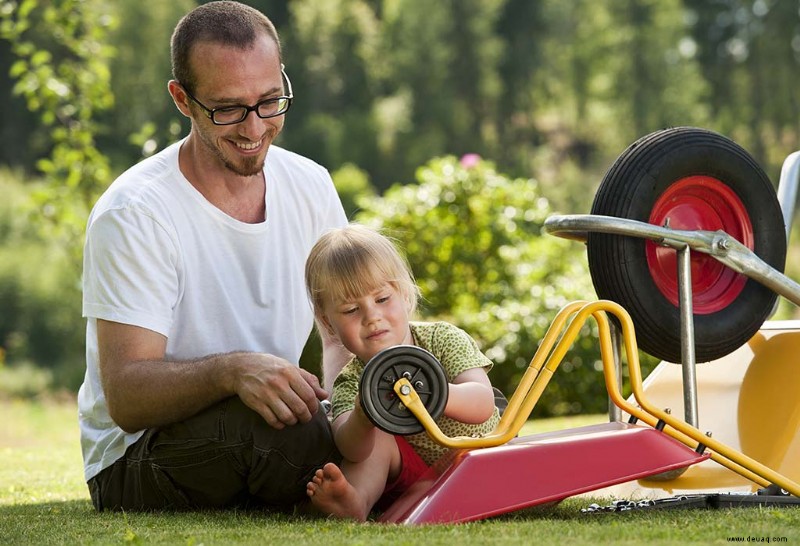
point(618, 265)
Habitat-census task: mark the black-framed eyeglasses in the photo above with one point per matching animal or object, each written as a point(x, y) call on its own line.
point(231, 115)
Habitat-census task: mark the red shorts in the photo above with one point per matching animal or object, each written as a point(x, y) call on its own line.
point(411, 468)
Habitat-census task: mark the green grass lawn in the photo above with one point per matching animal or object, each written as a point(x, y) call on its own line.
point(43, 500)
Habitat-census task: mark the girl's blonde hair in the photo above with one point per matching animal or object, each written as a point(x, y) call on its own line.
point(348, 262)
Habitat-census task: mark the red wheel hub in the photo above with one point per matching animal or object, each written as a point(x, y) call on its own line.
point(699, 203)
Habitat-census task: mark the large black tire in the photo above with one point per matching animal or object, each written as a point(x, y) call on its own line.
point(726, 190)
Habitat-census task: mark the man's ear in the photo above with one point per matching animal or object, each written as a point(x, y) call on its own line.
point(179, 97)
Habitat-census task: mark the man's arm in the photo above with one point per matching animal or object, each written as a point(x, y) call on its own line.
point(143, 390)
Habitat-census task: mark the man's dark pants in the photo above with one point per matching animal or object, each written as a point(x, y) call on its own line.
point(225, 456)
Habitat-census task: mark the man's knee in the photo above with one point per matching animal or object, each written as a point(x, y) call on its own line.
point(303, 443)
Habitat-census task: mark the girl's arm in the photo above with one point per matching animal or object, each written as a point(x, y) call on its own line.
point(471, 399)
point(354, 434)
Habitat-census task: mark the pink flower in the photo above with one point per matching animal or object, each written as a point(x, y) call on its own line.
point(469, 161)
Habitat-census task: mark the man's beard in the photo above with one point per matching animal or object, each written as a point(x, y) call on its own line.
point(248, 166)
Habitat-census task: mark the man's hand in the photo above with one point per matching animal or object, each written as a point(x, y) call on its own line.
point(283, 394)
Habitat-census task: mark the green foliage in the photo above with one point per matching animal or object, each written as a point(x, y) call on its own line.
point(62, 72)
point(748, 52)
point(473, 238)
point(41, 334)
point(352, 184)
point(25, 381)
point(140, 70)
point(549, 89)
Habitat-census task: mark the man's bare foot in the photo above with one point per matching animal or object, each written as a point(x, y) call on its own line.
point(332, 494)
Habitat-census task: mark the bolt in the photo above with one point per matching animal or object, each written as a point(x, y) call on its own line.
point(668, 411)
point(407, 375)
point(419, 385)
point(405, 389)
point(708, 434)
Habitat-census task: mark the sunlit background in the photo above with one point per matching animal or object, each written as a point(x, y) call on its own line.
point(458, 125)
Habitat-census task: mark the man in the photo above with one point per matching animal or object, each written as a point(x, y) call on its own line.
point(194, 293)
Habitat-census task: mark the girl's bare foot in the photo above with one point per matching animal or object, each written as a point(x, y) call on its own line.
point(332, 494)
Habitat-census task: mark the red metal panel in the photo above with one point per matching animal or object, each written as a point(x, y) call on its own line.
point(475, 484)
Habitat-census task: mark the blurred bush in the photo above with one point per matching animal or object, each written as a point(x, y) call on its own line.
point(25, 380)
point(41, 332)
point(352, 184)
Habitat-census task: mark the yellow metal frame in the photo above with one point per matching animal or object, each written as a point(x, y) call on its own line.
point(548, 357)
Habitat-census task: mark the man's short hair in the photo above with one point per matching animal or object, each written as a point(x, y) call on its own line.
point(224, 22)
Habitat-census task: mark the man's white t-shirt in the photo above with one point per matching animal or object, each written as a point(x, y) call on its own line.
point(158, 255)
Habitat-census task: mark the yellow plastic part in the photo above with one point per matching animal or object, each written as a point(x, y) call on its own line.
point(551, 352)
point(749, 400)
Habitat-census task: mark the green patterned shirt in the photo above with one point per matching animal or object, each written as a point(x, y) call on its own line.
point(457, 352)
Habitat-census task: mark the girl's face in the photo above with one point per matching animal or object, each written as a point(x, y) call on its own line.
point(370, 323)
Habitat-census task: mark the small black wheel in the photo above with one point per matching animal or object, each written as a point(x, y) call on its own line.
point(381, 403)
point(688, 179)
